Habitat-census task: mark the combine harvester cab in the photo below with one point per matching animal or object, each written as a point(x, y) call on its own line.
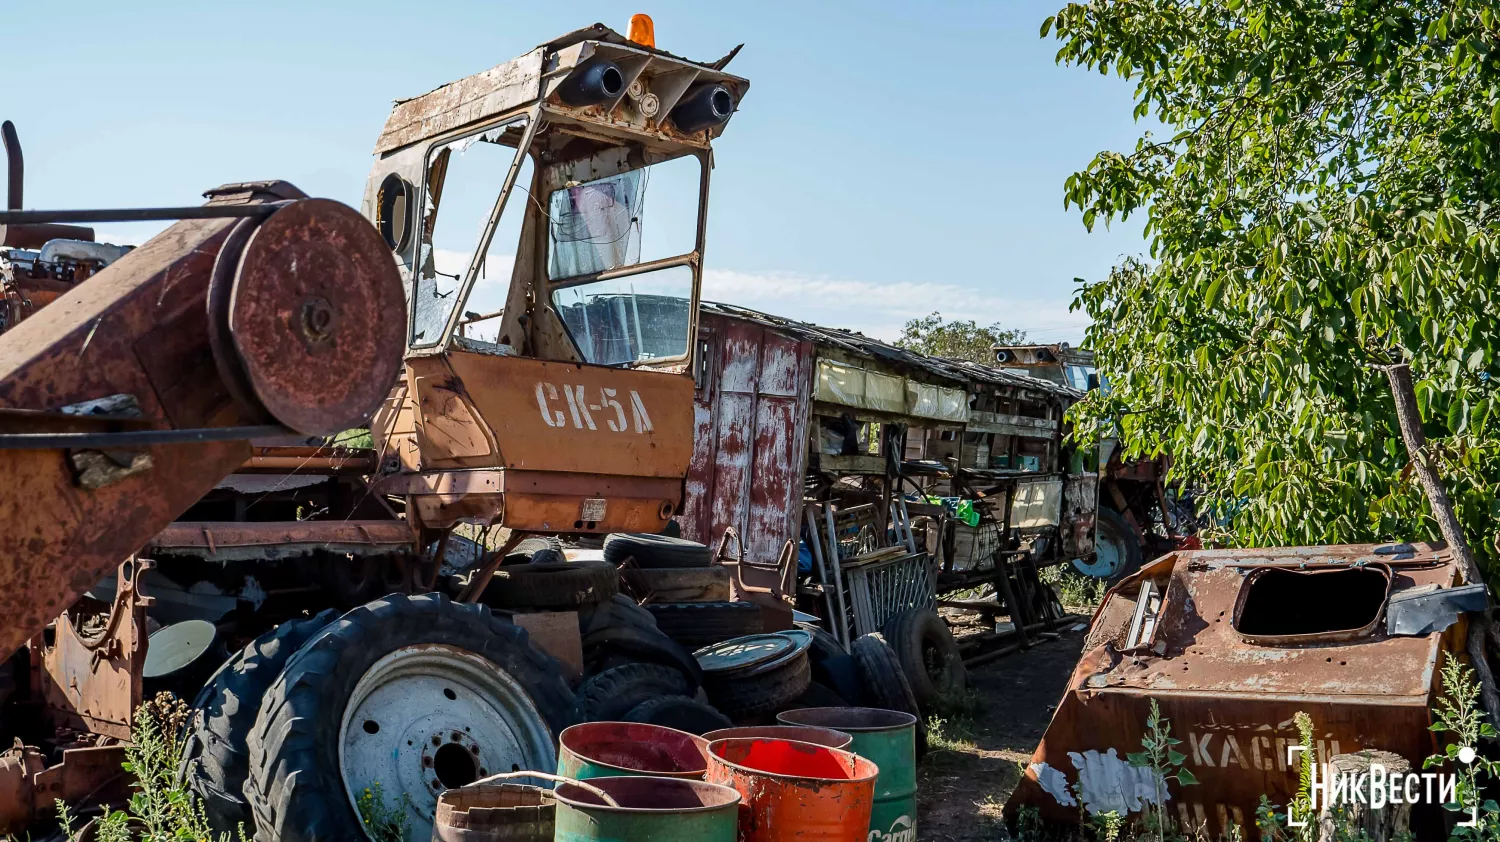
point(568, 407)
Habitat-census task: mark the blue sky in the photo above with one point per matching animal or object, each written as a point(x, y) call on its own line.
point(891, 159)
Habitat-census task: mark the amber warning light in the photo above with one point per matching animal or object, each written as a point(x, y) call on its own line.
point(642, 31)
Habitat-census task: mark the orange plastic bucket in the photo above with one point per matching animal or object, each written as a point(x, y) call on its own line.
point(795, 791)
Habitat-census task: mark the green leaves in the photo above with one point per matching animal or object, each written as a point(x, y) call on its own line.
point(1325, 194)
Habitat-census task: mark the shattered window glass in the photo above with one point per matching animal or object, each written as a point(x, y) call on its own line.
point(606, 223)
point(464, 179)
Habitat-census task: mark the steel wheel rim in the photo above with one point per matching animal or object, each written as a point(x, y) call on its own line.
point(1109, 555)
point(483, 722)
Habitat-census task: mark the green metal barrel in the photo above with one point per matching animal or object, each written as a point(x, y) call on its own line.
point(889, 739)
point(611, 749)
point(649, 809)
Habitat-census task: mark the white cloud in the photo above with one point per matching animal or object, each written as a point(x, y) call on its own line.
point(880, 309)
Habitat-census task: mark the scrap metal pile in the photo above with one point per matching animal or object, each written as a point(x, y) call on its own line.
point(192, 506)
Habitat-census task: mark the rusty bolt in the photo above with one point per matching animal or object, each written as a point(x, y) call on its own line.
point(436, 740)
point(317, 318)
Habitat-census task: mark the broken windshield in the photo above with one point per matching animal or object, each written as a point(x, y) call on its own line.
point(605, 224)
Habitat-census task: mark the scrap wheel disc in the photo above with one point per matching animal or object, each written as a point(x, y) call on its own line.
point(316, 315)
point(431, 717)
point(1108, 559)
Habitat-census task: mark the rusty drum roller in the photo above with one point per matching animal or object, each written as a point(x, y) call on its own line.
point(259, 313)
point(306, 317)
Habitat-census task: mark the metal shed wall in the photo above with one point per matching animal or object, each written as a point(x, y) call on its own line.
point(750, 435)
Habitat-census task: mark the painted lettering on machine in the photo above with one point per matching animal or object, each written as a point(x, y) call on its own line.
point(570, 405)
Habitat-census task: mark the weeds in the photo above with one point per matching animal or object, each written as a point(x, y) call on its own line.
point(1458, 714)
point(1158, 753)
point(161, 808)
point(383, 823)
point(1074, 589)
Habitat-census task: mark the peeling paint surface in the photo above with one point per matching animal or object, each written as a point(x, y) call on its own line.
point(750, 443)
point(1054, 782)
point(1108, 783)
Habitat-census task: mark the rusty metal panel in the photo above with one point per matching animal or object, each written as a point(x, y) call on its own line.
point(697, 500)
point(750, 447)
point(1230, 692)
point(468, 100)
point(576, 418)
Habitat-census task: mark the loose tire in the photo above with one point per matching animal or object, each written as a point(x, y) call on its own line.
point(929, 657)
point(553, 585)
point(747, 696)
point(885, 682)
point(699, 624)
point(620, 632)
point(490, 699)
point(656, 551)
point(832, 666)
point(679, 712)
point(214, 761)
point(613, 693)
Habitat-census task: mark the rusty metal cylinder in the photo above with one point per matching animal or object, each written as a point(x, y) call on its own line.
point(649, 809)
point(794, 790)
point(613, 749)
point(495, 813)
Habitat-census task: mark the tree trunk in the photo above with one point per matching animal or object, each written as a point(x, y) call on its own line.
point(1405, 398)
point(1348, 818)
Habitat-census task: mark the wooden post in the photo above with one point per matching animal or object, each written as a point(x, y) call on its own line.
point(1350, 817)
point(1404, 395)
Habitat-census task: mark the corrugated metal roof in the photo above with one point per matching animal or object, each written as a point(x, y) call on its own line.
point(962, 371)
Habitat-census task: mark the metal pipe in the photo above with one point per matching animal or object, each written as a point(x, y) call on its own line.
point(15, 166)
point(27, 217)
point(136, 438)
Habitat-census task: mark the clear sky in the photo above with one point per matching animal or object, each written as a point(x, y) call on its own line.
point(891, 159)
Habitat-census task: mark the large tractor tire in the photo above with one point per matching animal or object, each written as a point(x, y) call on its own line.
point(929, 656)
point(405, 696)
point(214, 761)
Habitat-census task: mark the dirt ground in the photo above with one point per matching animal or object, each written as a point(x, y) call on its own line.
point(974, 758)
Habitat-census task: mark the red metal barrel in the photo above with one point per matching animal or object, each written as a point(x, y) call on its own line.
point(795, 791)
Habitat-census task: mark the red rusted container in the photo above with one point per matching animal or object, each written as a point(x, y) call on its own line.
point(817, 736)
point(613, 749)
point(795, 791)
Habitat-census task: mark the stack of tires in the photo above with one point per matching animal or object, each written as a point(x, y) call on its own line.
point(700, 613)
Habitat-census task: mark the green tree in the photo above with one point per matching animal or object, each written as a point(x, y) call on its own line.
point(1325, 199)
point(960, 339)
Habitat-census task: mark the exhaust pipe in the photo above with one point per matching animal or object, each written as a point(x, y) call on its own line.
point(15, 166)
point(703, 107)
point(594, 82)
point(35, 235)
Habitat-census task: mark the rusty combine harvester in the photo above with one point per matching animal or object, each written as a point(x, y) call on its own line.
point(195, 491)
point(1232, 644)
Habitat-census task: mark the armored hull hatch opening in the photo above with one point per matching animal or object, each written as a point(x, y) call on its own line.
point(1275, 602)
